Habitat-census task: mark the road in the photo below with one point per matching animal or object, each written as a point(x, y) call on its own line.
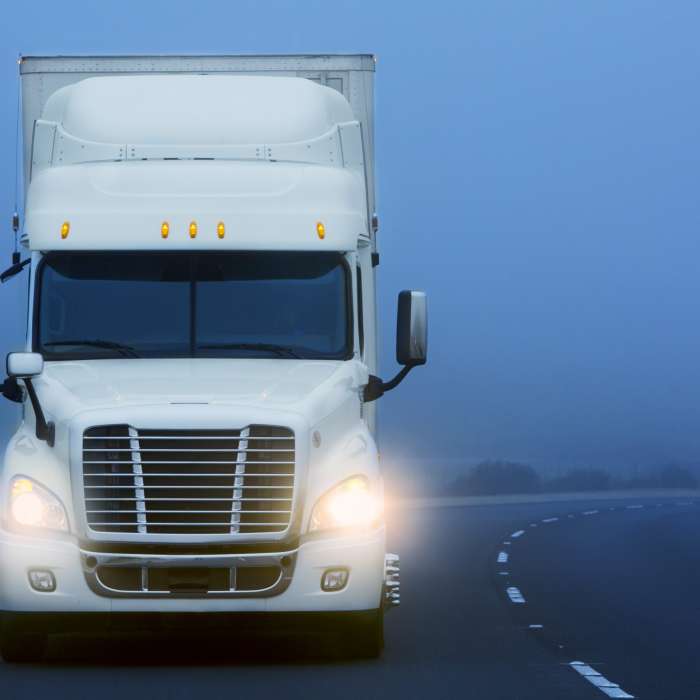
point(612, 585)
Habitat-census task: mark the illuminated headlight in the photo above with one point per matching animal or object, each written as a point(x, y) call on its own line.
point(31, 505)
point(350, 504)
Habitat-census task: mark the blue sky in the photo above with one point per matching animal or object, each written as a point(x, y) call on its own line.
point(538, 175)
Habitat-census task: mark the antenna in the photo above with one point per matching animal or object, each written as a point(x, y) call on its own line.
point(15, 214)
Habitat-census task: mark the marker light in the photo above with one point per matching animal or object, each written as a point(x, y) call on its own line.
point(220, 229)
point(32, 505)
point(165, 229)
point(321, 230)
point(351, 503)
point(193, 229)
point(65, 229)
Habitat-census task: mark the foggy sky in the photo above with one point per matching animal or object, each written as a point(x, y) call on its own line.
point(538, 173)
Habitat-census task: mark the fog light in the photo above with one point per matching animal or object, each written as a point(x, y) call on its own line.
point(42, 580)
point(334, 579)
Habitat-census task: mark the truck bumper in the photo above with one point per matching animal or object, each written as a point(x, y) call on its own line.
point(362, 555)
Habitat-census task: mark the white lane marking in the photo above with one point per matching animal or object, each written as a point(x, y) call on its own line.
point(502, 557)
point(635, 507)
point(550, 520)
point(535, 627)
point(533, 524)
point(506, 542)
point(515, 595)
point(517, 533)
point(590, 512)
point(612, 690)
point(504, 573)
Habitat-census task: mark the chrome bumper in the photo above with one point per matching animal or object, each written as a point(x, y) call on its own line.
point(93, 563)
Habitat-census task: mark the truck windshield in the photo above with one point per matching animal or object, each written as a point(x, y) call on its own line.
point(106, 305)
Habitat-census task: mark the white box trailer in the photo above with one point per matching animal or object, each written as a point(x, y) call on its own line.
point(199, 377)
point(351, 75)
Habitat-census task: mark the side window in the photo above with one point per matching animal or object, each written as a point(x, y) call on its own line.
point(360, 315)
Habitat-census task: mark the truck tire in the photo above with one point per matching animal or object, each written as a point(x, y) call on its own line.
point(22, 648)
point(365, 637)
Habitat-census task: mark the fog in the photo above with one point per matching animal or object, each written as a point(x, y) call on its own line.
point(537, 176)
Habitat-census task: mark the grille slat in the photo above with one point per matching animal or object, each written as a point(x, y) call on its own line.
point(188, 481)
point(176, 437)
point(217, 512)
point(180, 461)
point(183, 474)
point(181, 451)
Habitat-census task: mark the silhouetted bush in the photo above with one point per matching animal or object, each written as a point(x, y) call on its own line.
point(497, 477)
point(669, 477)
point(580, 480)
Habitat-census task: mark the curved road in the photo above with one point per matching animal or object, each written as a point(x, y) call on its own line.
point(498, 601)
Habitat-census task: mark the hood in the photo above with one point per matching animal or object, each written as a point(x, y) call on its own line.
point(311, 387)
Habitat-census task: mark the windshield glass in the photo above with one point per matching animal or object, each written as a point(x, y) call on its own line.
point(99, 305)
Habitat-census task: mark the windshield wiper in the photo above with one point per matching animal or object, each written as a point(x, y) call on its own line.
point(279, 350)
point(125, 350)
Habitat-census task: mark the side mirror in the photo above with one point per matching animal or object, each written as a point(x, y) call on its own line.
point(25, 366)
point(21, 365)
point(411, 342)
point(412, 329)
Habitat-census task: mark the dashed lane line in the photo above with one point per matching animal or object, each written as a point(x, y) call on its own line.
point(515, 595)
point(517, 533)
point(550, 520)
point(589, 512)
point(612, 690)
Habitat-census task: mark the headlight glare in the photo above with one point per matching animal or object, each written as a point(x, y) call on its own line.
point(31, 505)
point(350, 504)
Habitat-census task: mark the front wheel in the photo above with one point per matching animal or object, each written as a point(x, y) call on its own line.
point(21, 648)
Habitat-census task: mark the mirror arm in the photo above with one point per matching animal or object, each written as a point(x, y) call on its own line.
point(11, 390)
point(376, 388)
point(15, 269)
point(44, 431)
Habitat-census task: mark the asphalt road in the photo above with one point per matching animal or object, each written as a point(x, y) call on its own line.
point(613, 586)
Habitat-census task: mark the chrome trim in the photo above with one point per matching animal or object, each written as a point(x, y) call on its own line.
point(241, 458)
point(392, 581)
point(177, 437)
point(138, 480)
point(91, 561)
point(111, 478)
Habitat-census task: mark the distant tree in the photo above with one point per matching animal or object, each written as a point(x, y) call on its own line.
point(580, 480)
point(497, 477)
point(674, 477)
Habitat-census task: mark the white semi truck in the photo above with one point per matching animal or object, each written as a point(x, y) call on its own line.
point(197, 444)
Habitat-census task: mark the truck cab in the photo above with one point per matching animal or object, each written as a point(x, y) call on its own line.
point(199, 382)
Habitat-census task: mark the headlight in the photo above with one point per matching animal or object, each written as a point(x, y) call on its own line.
point(349, 504)
point(31, 505)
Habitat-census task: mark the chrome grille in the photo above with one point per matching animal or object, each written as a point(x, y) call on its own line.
point(188, 481)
